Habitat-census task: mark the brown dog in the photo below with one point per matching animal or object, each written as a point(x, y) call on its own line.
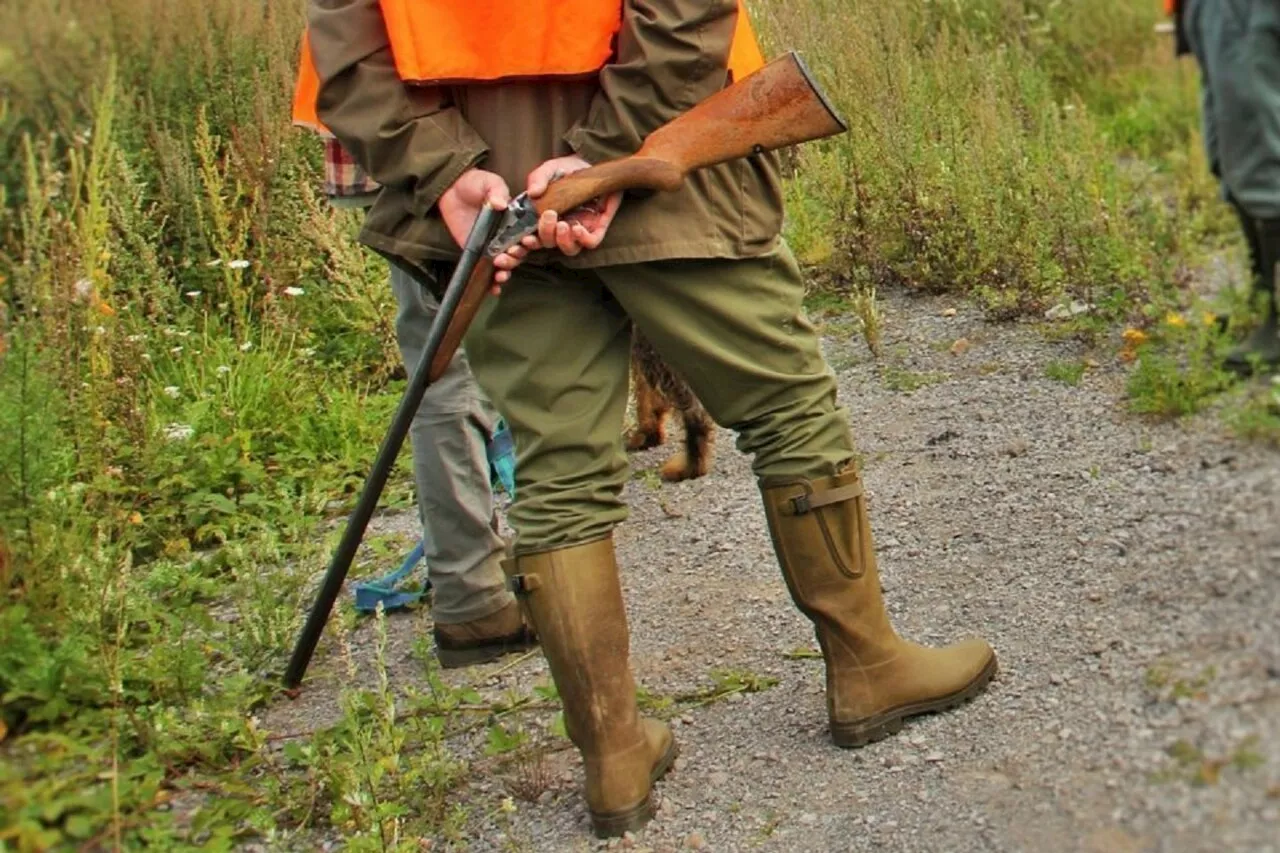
point(657, 390)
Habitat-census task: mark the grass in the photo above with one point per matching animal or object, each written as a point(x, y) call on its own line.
point(197, 362)
point(903, 380)
point(1066, 372)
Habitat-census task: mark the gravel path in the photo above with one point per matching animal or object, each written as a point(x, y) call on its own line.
point(1126, 573)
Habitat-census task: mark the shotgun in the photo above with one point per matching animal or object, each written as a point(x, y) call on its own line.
point(778, 106)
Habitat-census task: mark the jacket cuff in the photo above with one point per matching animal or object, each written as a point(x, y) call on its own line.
point(428, 191)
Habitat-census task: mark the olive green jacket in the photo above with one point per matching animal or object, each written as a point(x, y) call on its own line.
point(416, 141)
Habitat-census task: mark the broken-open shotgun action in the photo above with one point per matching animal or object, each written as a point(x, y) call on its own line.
point(778, 106)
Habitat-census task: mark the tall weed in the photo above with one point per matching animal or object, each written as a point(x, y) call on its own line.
point(977, 162)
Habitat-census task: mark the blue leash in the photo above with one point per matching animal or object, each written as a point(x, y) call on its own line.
point(501, 453)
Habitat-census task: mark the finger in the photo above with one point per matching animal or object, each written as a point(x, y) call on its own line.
point(531, 242)
point(539, 179)
point(496, 192)
point(565, 240)
point(588, 238)
point(547, 225)
point(544, 176)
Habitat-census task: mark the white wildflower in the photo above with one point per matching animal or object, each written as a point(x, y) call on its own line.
point(172, 391)
point(176, 350)
point(293, 291)
point(133, 339)
point(238, 264)
point(223, 370)
point(246, 346)
point(146, 356)
point(82, 288)
point(179, 432)
point(99, 330)
point(192, 294)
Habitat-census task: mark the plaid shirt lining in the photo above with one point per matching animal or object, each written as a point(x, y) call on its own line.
point(343, 177)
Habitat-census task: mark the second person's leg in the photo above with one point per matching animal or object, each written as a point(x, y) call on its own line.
point(476, 619)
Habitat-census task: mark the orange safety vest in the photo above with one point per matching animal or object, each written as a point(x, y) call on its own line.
point(436, 42)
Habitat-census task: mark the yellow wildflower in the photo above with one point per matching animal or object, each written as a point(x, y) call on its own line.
point(1176, 319)
point(1134, 337)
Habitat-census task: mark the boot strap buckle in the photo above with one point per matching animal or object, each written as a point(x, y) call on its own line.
point(521, 585)
point(802, 504)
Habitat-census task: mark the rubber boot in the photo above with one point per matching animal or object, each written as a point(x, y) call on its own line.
point(1262, 347)
point(573, 598)
point(875, 679)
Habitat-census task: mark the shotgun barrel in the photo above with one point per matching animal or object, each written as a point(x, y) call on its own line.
point(423, 376)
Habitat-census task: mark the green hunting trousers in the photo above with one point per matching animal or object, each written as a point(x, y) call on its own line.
point(1237, 45)
point(553, 353)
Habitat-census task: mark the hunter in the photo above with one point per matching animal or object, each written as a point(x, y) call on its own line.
point(452, 103)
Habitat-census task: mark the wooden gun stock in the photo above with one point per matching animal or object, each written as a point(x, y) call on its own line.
point(778, 106)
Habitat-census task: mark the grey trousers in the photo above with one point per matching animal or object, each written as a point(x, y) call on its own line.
point(1237, 45)
point(451, 472)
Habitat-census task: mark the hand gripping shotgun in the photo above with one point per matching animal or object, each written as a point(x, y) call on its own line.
point(778, 106)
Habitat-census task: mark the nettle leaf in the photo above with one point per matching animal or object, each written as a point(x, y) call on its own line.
point(296, 752)
point(502, 741)
point(78, 826)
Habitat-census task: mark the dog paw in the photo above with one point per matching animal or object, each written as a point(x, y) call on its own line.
point(642, 439)
point(678, 468)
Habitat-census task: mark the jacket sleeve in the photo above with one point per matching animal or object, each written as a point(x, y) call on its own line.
point(407, 137)
point(671, 55)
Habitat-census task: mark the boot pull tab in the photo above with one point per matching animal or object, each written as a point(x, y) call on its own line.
point(803, 504)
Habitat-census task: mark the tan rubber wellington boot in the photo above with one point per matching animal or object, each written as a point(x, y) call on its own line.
point(875, 679)
point(574, 600)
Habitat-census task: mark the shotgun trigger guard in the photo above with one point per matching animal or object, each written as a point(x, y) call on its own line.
point(519, 220)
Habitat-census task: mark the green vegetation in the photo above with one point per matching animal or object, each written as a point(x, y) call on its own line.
point(1020, 153)
point(197, 363)
point(1066, 372)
